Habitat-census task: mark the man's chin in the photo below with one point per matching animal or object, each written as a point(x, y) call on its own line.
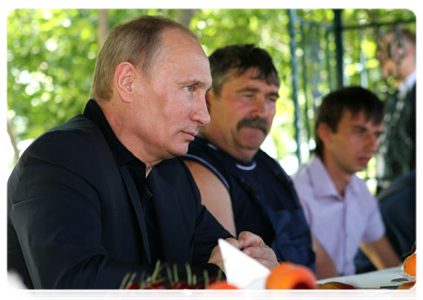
point(252, 145)
point(253, 137)
point(360, 168)
point(179, 151)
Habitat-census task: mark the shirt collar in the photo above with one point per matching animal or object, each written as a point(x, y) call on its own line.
point(122, 155)
point(323, 184)
point(242, 165)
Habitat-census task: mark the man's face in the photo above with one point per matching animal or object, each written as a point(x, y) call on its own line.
point(242, 115)
point(353, 144)
point(171, 106)
point(390, 56)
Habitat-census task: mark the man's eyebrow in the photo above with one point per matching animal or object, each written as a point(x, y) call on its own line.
point(196, 83)
point(250, 89)
point(247, 89)
point(359, 127)
point(273, 94)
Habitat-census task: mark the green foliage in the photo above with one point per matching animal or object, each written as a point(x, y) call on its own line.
point(51, 55)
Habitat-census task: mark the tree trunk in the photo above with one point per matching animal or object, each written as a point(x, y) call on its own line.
point(13, 141)
point(102, 26)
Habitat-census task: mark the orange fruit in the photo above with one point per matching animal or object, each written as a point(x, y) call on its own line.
point(409, 265)
point(290, 276)
point(222, 291)
point(276, 272)
point(407, 291)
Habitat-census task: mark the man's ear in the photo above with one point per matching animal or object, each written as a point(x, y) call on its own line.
point(324, 132)
point(124, 80)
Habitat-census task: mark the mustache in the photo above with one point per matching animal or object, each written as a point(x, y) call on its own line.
point(256, 122)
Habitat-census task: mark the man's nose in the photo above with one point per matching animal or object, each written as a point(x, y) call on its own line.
point(260, 105)
point(372, 142)
point(201, 113)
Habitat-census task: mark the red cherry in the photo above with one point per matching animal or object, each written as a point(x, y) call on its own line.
point(176, 286)
point(112, 295)
point(302, 291)
point(132, 292)
point(154, 291)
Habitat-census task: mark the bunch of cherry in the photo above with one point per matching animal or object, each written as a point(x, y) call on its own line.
point(157, 289)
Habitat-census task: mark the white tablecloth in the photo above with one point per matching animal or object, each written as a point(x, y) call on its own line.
point(375, 279)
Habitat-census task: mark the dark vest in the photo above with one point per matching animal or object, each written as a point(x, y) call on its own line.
point(263, 198)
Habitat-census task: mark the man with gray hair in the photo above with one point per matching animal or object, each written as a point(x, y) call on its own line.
point(100, 197)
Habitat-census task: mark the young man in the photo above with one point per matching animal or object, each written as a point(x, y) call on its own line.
point(89, 203)
point(397, 56)
point(339, 208)
point(241, 185)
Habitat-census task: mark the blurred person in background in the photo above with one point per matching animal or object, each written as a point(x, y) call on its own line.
point(342, 213)
point(397, 56)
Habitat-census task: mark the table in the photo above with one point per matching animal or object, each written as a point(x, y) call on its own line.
point(374, 279)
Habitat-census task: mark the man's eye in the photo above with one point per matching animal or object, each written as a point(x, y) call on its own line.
point(189, 88)
point(248, 96)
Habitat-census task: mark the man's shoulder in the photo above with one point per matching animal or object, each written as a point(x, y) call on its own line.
point(77, 142)
point(201, 149)
point(305, 171)
point(79, 127)
point(209, 156)
point(311, 179)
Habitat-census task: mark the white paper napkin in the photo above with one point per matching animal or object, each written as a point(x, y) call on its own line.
point(241, 270)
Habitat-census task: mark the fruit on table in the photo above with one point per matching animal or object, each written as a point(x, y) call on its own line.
point(407, 291)
point(222, 291)
point(157, 291)
point(409, 265)
point(291, 276)
point(287, 281)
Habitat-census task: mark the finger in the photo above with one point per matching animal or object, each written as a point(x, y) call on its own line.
point(233, 242)
point(258, 252)
point(263, 254)
point(249, 239)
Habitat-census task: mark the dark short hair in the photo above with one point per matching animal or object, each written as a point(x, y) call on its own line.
point(138, 42)
point(355, 99)
point(241, 58)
